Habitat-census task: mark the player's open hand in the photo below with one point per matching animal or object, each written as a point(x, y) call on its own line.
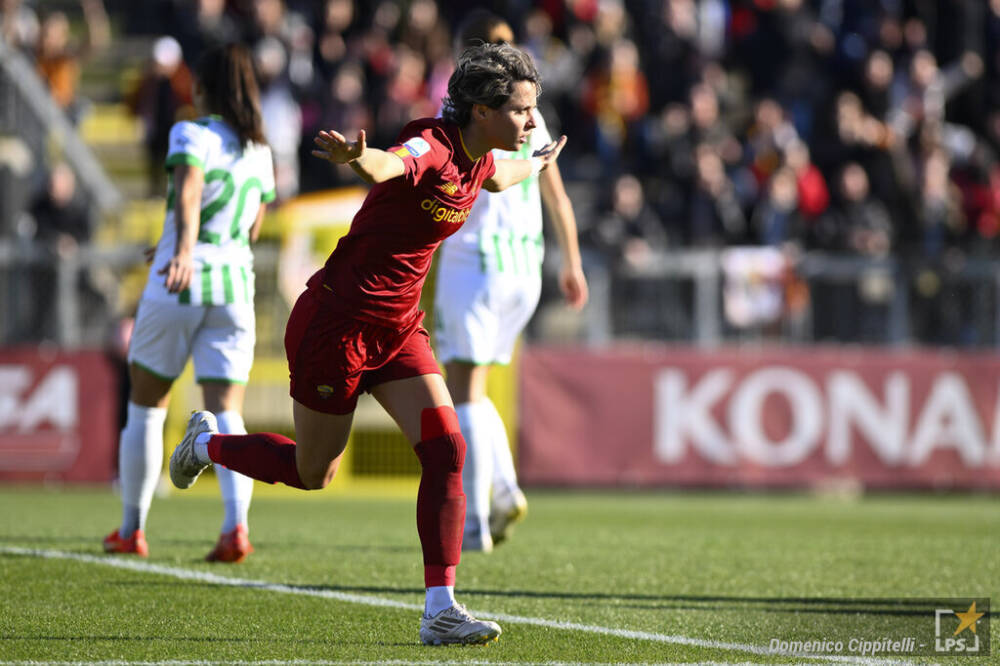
point(178, 272)
point(550, 152)
point(333, 147)
point(573, 285)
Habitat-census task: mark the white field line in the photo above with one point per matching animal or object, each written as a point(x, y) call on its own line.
point(132, 564)
point(394, 662)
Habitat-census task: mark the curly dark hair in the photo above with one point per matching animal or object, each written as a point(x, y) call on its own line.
point(486, 74)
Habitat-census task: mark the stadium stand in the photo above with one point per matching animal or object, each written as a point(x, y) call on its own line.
point(742, 170)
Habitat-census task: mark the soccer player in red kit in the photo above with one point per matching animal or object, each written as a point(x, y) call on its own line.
point(357, 327)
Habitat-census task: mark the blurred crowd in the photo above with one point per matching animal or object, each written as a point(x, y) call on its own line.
point(865, 127)
point(849, 125)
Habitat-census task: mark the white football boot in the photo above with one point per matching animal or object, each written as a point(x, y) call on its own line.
point(506, 510)
point(185, 468)
point(455, 625)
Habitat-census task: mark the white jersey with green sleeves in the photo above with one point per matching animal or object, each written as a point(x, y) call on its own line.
point(504, 231)
point(237, 181)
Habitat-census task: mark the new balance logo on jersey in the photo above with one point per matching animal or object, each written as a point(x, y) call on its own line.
point(441, 213)
point(448, 188)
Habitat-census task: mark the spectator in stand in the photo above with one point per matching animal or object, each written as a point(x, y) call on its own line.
point(200, 25)
point(58, 60)
point(616, 97)
point(161, 98)
point(18, 24)
point(714, 212)
point(813, 195)
point(942, 221)
point(941, 308)
point(707, 126)
point(281, 116)
point(669, 36)
point(560, 66)
point(977, 179)
point(857, 224)
point(862, 222)
point(62, 226)
point(877, 82)
point(334, 42)
point(857, 136)
point(405, 93)
point(776, 220)
point(60, 217)
point(628, 232)
point(272, 18)
point(345, 106)
point(768, 135)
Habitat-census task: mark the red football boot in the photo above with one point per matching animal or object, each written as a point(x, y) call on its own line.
point(233, 546)
point(134, 545)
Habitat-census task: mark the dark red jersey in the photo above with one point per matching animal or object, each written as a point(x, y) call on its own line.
point(377, 270)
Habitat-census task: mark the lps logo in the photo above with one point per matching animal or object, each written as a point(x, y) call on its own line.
point(962, 640)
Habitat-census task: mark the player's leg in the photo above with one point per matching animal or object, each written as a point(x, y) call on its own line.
point(323, 410)
point(140, 458)
point(414, 393)
point(508, 504)
point(466, 321)
point(223, 354)
point(467, 385)
point(309, 462)
point(158, 350)
point(225, 400)
point(422, 408)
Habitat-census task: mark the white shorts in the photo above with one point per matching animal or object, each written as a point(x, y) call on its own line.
point(220, 339)
point(478, 316)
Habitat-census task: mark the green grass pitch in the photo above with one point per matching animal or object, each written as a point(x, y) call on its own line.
point(635, 577)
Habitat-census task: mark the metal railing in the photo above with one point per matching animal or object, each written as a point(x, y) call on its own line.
point(681, 297)
point(30, 117)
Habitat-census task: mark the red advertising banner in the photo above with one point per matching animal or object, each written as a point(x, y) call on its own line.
point(658, 415)
point(58, 415)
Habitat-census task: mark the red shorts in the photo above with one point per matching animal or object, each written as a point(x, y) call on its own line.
point(333, 357)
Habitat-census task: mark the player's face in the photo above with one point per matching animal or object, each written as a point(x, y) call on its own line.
point(511, 124)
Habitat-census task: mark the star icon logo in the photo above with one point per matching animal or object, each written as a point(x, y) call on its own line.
point(967, 619)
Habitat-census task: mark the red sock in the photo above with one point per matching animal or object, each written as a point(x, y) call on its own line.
point(264, 456)
point(440, 499)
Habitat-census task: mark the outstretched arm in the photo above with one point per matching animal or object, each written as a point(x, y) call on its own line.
point(371, 164)
point(512, 172)
point(571, 279)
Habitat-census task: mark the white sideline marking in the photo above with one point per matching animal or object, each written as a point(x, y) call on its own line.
point(394, 662)
point(369, 600)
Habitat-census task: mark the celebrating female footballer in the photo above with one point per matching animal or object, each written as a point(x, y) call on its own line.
point(357, 327)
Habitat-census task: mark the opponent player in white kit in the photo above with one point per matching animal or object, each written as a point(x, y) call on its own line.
point(198, 301)
point(488, 285)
